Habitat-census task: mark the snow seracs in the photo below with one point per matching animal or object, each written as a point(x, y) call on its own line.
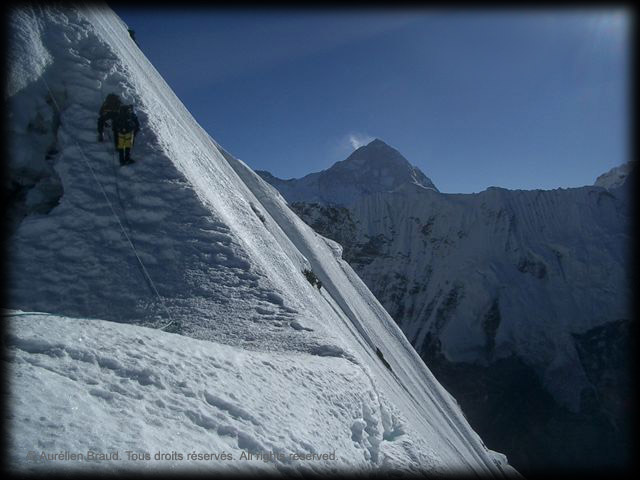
point(214, 255)
point(372, 168)
point(615, 177)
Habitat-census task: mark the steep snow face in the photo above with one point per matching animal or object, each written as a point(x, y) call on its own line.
point(372, 168)
point(615, 177)
point(28, 56)
point(499, 278)
point(191, 240)
point(500, 272)
point(492, 274)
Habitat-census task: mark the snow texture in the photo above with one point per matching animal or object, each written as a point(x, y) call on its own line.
point(103, 387)
point(485, 276)
point(253, 358)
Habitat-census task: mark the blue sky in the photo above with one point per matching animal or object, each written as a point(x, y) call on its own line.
point(516, 99)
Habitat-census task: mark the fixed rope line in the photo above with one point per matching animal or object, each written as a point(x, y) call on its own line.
point(116, 184)
point(117, 187)
point(104, 194)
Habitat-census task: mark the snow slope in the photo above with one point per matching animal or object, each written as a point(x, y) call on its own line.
point(189, 240)
point(184, 395)
point(549, 264)
point(504, 281)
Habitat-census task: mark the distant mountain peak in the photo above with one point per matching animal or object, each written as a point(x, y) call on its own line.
point(373, 168)
point(381, 166)
point(376, 149)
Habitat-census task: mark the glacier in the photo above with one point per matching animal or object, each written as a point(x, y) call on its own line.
point(162, 307)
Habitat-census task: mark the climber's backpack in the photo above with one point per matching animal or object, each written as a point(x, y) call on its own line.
point(126, 121)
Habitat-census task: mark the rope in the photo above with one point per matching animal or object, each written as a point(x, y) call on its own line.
point(117, 184)
point(115, 170)
point(104, 194)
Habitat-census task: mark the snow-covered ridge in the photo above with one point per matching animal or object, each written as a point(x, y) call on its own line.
point(548, 258)
point(225, 255)
point(372, 168)
point(502, 277)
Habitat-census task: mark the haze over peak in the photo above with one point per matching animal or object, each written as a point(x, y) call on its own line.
point(372, 168)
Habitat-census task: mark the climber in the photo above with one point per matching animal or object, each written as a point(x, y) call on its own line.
point(132, 34)
point(124, 124)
